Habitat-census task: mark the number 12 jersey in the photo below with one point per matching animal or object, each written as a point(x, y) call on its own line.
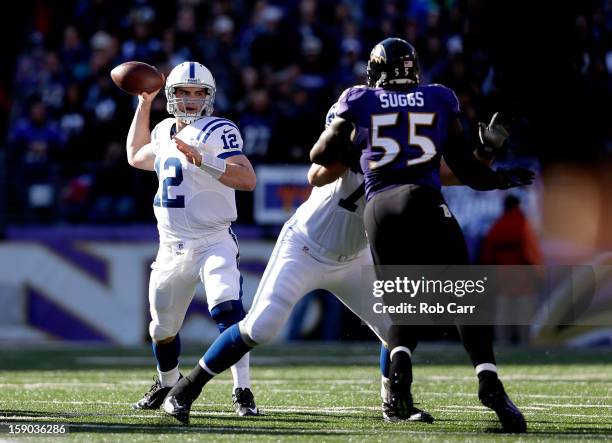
point(189, 203)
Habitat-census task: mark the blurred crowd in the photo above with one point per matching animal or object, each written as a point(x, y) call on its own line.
point(278, 67)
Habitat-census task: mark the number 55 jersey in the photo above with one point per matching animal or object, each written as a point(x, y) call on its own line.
point(401, 134)
point(189, 203)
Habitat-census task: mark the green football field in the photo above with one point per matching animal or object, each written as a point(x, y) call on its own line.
point(307, 392)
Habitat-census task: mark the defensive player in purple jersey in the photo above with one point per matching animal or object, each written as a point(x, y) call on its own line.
point(403, 129)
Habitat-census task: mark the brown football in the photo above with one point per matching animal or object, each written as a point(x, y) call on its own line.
point(136, 77)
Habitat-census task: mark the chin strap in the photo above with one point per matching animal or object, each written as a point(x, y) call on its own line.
point(213, 165)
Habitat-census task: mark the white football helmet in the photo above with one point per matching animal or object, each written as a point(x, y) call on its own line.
point(190, 74)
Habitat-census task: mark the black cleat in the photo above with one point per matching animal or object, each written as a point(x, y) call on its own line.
point(493, 396)
point(244, 402)
point(180, 398)
point(417, 415)
point(399, 386)
point(155, 397)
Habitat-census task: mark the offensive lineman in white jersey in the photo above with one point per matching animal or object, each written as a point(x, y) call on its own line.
point(199, 162)
point(323, 246)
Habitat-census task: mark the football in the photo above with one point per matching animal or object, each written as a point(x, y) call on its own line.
point(136, 77)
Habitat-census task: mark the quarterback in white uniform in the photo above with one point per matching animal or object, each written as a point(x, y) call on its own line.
point(199, 163)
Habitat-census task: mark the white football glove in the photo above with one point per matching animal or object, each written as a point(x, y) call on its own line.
point(492, 136)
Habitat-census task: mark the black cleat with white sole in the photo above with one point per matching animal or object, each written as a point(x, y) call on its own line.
point(244, 402)
point(155, 397)
point(493, 396)
point(417, 415)
point(180, 398)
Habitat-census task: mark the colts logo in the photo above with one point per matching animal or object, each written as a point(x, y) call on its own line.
point(378, 54)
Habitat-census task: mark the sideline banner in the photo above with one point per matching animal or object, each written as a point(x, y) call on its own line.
point(279, 192)
point(91, 284)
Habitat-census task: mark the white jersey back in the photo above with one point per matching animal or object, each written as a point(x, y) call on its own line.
point(189, 203)
point(332, 216)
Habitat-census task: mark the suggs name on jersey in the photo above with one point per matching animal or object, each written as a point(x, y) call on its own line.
point(392, 100)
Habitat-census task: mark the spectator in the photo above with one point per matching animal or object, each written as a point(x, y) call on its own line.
point(34, 144)
point(73, 123)
point(111, 193)
point(257, 123)
point(185, 35)
point(73, 54)
point(512, 241)
point(142, 46)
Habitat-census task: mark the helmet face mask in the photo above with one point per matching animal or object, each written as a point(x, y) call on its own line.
point(189, 108)
point(393, 61)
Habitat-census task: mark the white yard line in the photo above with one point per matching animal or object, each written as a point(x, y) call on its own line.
point(460, 408)
point(113, 385)
point(579, 405)
point(526, 377)
point(329, 410)
point(288, 408)
point(426, 393)
point(299, 391)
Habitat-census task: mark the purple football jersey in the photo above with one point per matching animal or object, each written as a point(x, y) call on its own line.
point(401, 134)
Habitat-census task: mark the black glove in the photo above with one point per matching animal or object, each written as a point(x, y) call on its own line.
point(492, 136)
point(513, 177)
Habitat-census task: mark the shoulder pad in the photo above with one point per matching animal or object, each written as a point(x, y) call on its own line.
point(211, 125)
point(163, 127)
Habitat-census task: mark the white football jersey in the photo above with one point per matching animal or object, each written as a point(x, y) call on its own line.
point(190, 203)
point(332, 216)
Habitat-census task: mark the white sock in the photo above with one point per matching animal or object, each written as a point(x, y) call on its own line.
point(485, 367)
point(241, 372)
point(385, 389)
point(168, 378)
point(202, 364)
point(397, 349)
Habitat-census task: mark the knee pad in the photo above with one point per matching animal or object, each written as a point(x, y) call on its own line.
point(159, 332)
point(227, 314)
